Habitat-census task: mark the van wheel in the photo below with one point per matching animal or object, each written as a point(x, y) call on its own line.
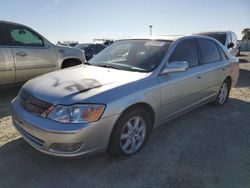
point(223, 94)
point(130, 133)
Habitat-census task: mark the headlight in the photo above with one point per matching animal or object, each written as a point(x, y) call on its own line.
point(78, 113)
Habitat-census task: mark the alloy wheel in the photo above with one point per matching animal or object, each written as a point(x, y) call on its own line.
point(133, 135)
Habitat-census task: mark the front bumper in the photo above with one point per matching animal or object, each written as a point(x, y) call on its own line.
point(67, 140)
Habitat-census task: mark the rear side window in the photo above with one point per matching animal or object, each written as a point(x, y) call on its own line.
point(186, 51)
point(21, 36)
point(209, 51)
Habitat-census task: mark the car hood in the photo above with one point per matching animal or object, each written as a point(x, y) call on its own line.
point(70, 85)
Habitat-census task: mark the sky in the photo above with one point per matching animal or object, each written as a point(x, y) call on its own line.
point(83, 20)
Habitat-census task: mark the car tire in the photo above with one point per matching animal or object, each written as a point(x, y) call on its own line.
point(130, 133)
point(223, 93)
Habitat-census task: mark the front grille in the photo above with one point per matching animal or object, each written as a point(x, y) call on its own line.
point(33, 104)
point(30, 137)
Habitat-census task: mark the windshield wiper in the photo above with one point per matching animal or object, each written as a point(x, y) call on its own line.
point(87, 63)
point(108, 66)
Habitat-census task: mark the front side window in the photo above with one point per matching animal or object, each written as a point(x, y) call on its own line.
point(209, 51)
point(186, 51)
point(21, 36)
point(133, 55)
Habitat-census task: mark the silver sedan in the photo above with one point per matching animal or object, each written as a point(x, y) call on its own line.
point(113, 102)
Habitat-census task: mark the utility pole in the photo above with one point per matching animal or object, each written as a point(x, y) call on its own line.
point(150, 30)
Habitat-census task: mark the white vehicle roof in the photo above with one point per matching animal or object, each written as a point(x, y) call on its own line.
point(218, 32)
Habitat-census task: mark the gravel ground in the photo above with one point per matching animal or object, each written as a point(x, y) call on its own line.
point(208, 147)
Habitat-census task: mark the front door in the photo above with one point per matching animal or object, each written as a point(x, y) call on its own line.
point(181, 90)
point(30, 55)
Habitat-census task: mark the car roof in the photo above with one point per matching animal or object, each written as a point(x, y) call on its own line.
point(156, 37)
point(170, 38)
point(13, 23)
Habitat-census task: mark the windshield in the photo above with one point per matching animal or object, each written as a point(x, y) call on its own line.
point(82, 46)
point(132, 55)
point(218, 36)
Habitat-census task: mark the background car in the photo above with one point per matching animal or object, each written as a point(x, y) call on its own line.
point(25, 54)
point(226, 38)
point(90, 50)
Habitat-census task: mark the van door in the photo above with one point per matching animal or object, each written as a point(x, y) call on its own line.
point(181, 90)
point(31, 57)
point(7, 69)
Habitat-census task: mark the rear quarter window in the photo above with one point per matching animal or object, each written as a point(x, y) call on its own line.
point(222, 53)
point(209, 51)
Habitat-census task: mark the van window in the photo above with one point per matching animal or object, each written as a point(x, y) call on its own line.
point(186, 51)
point(209, 51)
point(234, 39)
point(21, 36)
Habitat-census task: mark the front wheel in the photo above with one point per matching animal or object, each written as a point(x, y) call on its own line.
point(130, 133)
point(223, 94)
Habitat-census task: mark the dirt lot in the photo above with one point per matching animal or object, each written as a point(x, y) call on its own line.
point(208, 147)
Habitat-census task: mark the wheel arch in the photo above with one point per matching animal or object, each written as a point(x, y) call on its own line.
point(143, 105)
point(68, 60)
point(229, 79)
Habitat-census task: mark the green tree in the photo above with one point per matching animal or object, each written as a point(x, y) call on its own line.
point(246, 34)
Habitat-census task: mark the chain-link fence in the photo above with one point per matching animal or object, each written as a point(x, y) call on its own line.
point(244, 45)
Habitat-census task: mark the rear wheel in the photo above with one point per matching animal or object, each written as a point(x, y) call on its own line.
point(130, 133)
point(223, 94)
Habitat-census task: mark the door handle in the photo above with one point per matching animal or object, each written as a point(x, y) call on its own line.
point(22, 54)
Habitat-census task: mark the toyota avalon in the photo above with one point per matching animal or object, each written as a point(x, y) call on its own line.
point(113, 102)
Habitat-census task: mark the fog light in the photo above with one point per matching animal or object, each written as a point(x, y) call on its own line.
point(63, 147)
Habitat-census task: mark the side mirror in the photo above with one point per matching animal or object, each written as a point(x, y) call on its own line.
point(230, 45)
point(175, 66)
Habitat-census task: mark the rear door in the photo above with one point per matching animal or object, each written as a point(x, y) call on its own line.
point(7, 68)
point(181, 90)
point(31, 57)
point(214, 62)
